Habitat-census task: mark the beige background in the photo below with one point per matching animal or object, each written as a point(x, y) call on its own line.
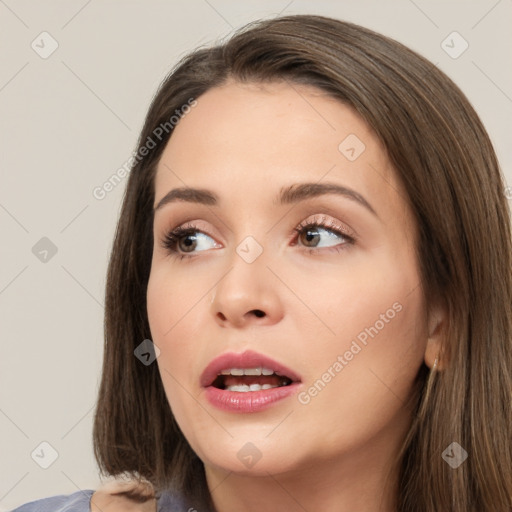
point(69, 121)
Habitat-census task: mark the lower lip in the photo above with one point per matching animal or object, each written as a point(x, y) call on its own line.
point(250, 401)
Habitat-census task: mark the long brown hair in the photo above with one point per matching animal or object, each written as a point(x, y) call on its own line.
point(445, 160)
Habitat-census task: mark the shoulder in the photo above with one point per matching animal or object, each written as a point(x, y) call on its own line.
point(115, 497)
point(76, 502)
point(110, 497)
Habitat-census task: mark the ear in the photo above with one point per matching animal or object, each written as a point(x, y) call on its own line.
point(435, 351)
point(108, 498)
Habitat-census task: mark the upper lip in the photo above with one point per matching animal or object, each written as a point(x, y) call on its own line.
point(247, 359)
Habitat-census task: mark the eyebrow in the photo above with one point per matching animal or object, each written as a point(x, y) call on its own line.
point(189, 195)
point(287, 195)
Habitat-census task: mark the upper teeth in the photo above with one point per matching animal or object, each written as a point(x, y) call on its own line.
point(248, 371)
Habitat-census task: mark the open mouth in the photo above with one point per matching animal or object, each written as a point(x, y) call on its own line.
point(247, 382)
point(246, 372)
point(243, 380)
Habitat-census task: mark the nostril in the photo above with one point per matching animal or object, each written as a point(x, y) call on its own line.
point(257, 312)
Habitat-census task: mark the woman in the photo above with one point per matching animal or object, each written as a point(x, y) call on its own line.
point(308, 297)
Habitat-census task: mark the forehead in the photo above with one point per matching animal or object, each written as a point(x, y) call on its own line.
point(256, 138)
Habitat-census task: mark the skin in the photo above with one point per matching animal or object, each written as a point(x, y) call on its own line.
point(335, 453)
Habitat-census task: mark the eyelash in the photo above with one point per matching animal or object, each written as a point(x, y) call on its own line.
point(171, 239)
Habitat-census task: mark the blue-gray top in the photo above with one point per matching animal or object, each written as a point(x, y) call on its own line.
point(80, 502)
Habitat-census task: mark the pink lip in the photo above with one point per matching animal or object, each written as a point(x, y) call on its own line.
point(252, 401)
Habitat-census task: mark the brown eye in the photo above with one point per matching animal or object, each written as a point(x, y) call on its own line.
point(187, 242)
point(314, 233)
point(310, 236)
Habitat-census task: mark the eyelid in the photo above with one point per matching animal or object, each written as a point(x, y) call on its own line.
point(327, 222)
point(195, 225)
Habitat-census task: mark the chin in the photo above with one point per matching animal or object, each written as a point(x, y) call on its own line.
point(252, 458)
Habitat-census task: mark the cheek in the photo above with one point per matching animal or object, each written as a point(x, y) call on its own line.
point(177, 300)
point(172, 311)
point(172, 314)
point(367, 362)
point(174, 300)
point(364, 296)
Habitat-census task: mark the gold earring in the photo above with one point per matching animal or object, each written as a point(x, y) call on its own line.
point(434, 367)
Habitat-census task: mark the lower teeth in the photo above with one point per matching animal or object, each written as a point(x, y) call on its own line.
point(244, 388)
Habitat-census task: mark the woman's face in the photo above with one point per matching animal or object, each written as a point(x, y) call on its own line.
point(335, 309)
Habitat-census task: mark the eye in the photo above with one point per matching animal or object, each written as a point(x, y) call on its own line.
point(184, 241)
point(311, 232)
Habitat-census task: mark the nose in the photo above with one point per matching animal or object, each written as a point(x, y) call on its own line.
point(247, 295)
